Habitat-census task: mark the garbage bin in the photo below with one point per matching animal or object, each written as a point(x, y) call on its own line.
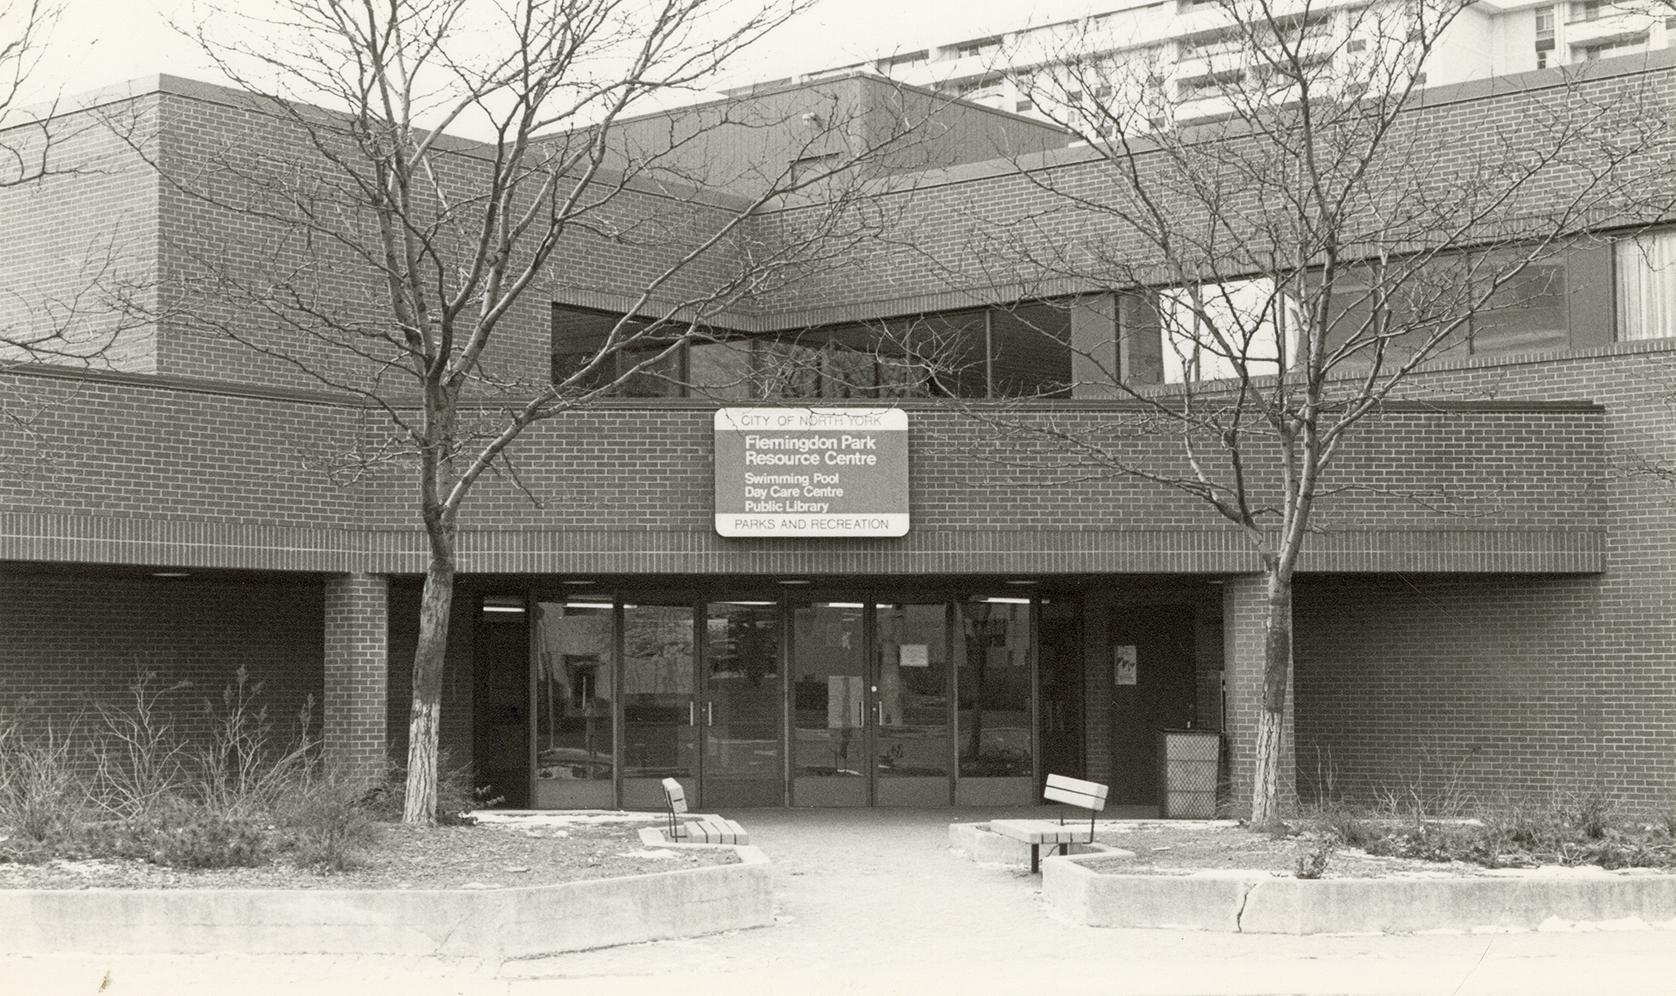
point(1188, 761)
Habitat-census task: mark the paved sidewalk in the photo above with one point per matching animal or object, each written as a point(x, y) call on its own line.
point(873, 902)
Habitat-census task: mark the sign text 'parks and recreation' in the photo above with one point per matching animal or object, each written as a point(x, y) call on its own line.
point(811, 472)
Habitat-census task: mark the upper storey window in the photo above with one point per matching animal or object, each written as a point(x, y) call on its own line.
point(651, 363)
point(1588, 10)
point(1015, 351)
point(1646, 285)
point(1544, 24)
point(1210, 332)
point(1502, 302)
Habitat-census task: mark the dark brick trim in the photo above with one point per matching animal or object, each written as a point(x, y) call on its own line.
point(88, 539)
point(236, 389)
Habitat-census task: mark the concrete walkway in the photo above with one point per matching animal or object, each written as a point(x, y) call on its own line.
point(873, 902)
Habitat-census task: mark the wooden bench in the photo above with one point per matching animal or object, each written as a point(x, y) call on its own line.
point(700, 830)
point(1070, 791)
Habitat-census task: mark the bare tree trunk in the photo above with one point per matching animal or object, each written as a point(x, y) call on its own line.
point(426, 713)
point(1277, 667)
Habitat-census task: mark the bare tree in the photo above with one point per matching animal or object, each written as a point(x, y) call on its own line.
point(455, 248)
point(1295, 234)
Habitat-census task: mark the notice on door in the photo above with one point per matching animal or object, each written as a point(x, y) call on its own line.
point(811, 472)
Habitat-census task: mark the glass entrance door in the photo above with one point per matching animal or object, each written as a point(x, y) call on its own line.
point(912, 753)
point(829, 730)
point(774, 701)
point(871, 710)
point(661, 710)
point(744, 704)
point(574, 706)
point(995, 731)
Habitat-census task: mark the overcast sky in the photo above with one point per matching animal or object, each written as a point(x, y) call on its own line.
point(99, 42)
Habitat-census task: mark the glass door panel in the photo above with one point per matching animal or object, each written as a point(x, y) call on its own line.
point(574, 698)
point(660, 709)
point(912, 751)
point(829, 701)
point(744, 706)
point(995, 730)
point(1059, 695)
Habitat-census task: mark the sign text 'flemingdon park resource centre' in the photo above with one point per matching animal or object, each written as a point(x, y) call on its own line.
point(808, 472)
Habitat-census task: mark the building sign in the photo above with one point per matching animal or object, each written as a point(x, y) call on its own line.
point(1127, 663)
point(812, 472)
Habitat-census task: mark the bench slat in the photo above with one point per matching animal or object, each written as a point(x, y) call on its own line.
point(717, 832)
point(675, 795)
point(1038, 831)
point(1083, 799)
point(1075, 784)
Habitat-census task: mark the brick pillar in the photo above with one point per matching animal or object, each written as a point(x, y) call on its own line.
point(1243, 611)
point(1097, 688)
point(357, 673)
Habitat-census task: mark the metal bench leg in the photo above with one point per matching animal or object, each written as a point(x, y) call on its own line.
point(1035, 858)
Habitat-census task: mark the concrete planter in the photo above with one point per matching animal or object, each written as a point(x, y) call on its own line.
point(488, 923)
point(976, 842)
point(1251, 902)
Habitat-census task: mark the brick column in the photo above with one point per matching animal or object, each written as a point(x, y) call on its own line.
point(1243, 611)
point(357, 673)
point(1097, 688)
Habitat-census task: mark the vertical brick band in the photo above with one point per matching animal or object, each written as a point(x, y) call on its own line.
point(1243, 611)
point(357, 673)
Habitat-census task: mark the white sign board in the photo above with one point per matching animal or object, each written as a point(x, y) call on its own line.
point(811, 472)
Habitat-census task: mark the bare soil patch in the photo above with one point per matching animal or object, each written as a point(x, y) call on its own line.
point(485, 856)
point(1182, 848)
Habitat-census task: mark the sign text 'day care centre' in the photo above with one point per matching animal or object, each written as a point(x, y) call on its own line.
point(812, 472)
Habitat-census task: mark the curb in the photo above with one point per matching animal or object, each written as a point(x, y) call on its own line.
point(1246, 902)
point(492, 923)
point(976, 842)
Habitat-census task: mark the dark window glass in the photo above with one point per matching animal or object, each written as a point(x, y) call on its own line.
point(1019, 351)
point(651, 361)
point(846, 361)
point(1527, 312)
point(724, 370)
point(1030, 351)
point(1553, 301)
point(1399, 306)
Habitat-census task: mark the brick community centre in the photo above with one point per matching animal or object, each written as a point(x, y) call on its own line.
point(790, 567)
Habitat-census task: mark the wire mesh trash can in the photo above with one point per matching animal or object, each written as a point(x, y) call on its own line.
point(1188, 761)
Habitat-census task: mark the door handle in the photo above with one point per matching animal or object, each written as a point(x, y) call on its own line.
point(692, 713)
point(879, 713)
point(709, 714)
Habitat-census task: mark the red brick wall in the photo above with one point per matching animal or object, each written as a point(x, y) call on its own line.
point(70, 639)
point(1056, 225)
point(1524, 686)
point(356, 663)
point(1520, 685)
point(454, 735)
point(82, 239)
point(244, 265)
point(142, 473)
